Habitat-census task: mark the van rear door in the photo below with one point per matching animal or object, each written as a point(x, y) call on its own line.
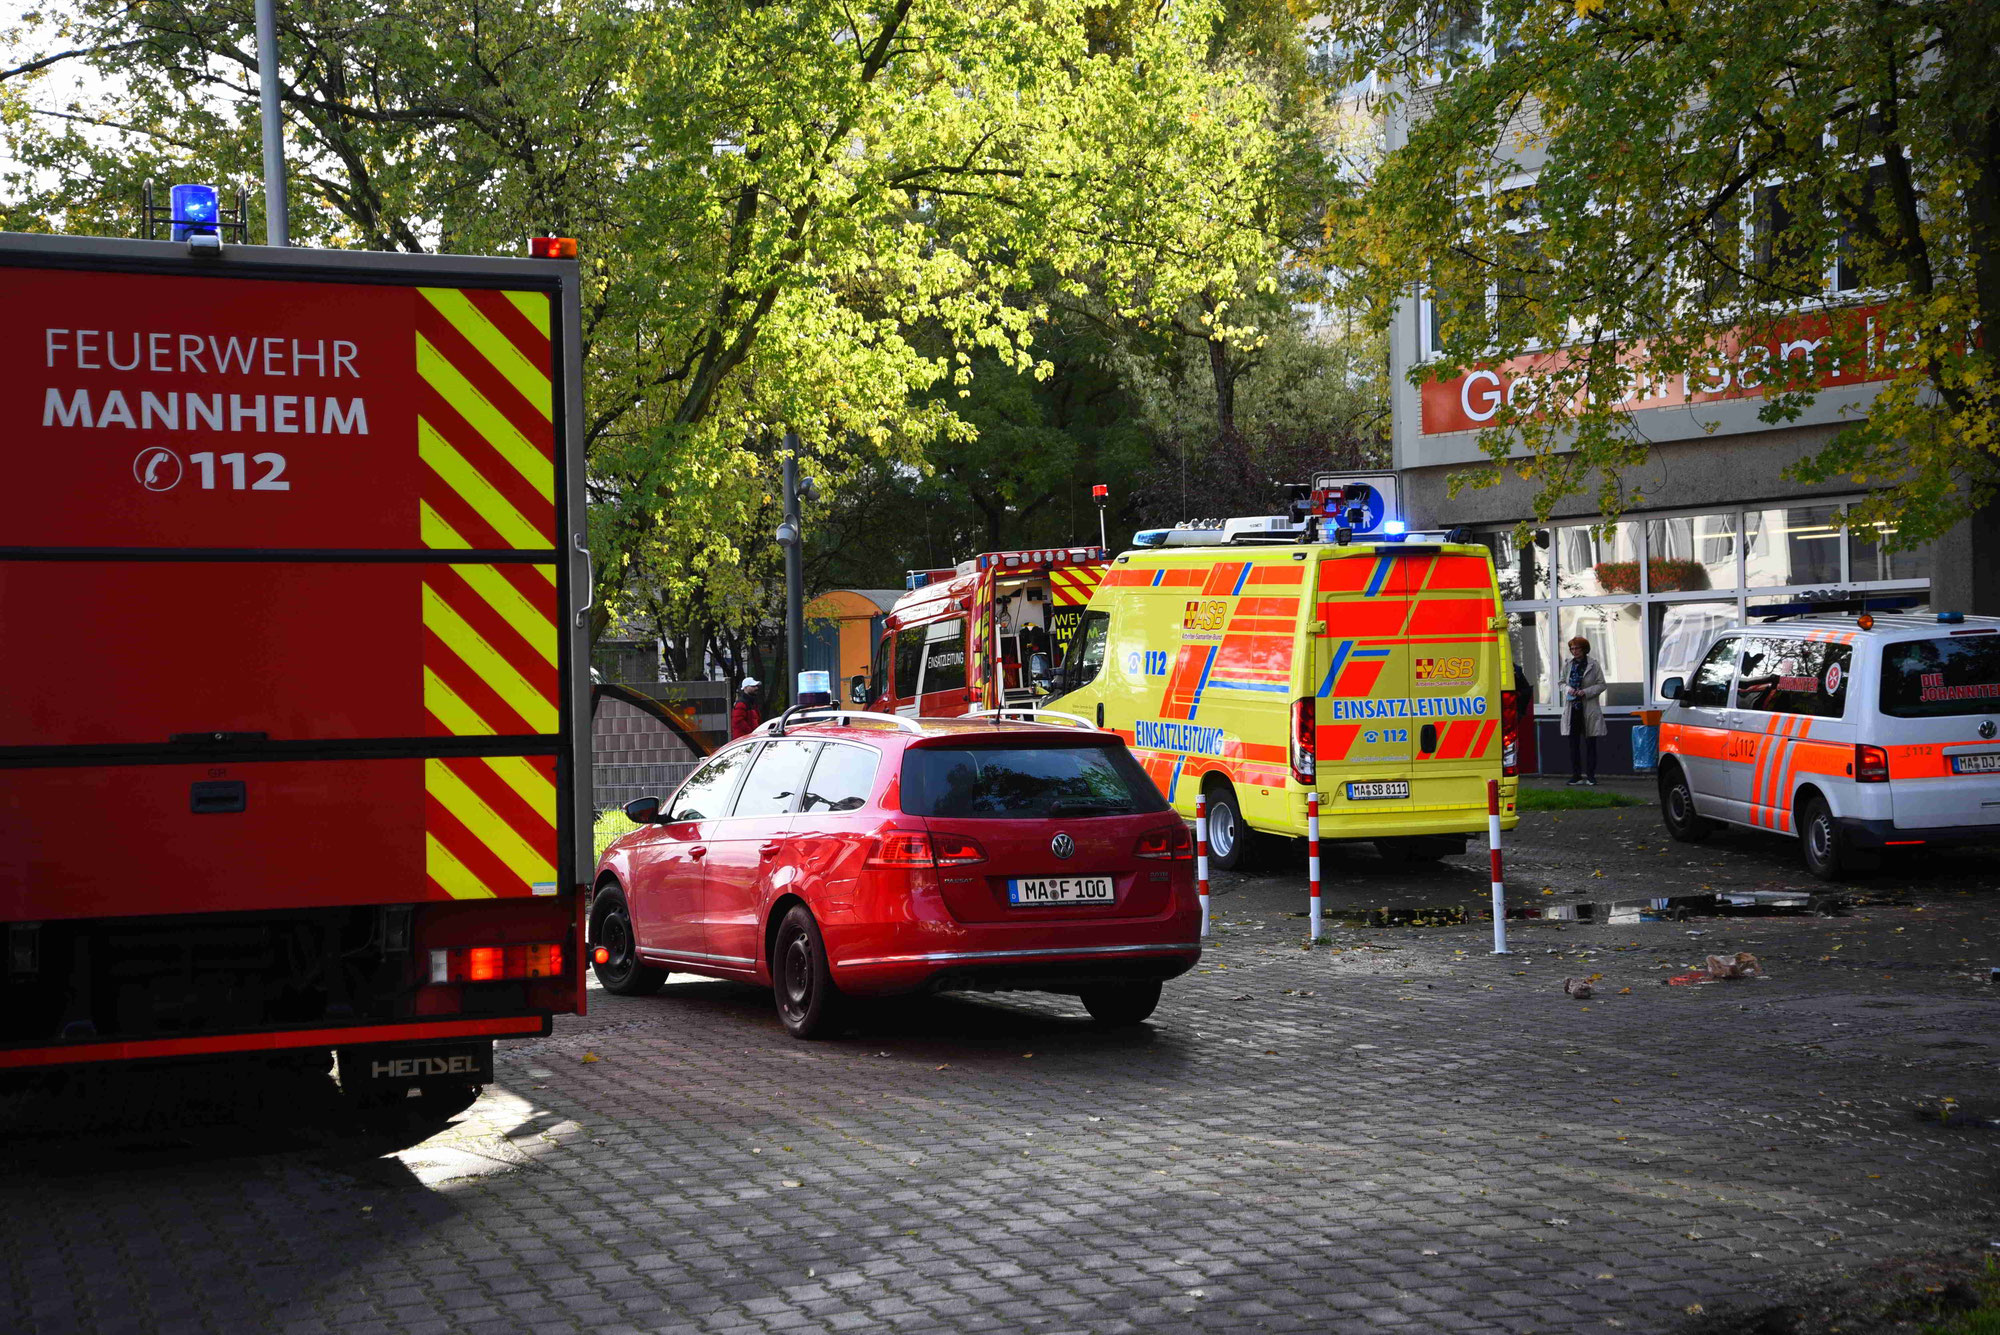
point(1940, 699)
point(1361, 669)
point(1458, 669)
point(1409, 675)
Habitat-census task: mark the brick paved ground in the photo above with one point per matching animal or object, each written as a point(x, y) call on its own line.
point(1400, 1131)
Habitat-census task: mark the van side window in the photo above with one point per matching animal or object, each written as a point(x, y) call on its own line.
point(1709, 687)
point(1784, 675)
point(909, 657)
point(1086, 650)
point(944, 656)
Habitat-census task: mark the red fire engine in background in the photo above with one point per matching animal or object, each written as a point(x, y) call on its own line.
point(294, 753)
point(974, 634)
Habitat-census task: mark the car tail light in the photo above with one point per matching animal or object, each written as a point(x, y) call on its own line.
point(1871, 764)
point(902, 848)
point(1167, 842)
point(955, 850)
point(1510, 734)
point(489, 964)
point(1304, 747)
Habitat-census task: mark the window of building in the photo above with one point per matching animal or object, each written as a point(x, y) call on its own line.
point(1598, 561)
point(1794, 547)
point(1616, 632)
point(1651, 595)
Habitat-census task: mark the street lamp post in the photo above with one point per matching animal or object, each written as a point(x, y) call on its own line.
point(790, 538)
point(277, 207)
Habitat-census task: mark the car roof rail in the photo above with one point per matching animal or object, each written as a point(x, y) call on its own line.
point(1034, 713)
point(1806, 607)
point(838, 715)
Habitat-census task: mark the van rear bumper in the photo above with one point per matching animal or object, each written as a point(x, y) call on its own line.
point(1862, 833)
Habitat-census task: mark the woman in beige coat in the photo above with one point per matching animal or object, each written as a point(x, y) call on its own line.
point(1583, 713)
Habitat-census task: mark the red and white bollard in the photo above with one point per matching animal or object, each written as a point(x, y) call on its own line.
point(1201, 857)
point(1312, 864)
point(1499, 881)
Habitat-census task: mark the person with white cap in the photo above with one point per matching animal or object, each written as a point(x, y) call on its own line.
point(743, 715)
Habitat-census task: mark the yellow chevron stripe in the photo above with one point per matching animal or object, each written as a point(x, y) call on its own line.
point(534, 305)
point(493, 669)
point(457, 880)
point(488, 421)
point(494, 346)
point(447, 708)
point(531, 784)
point(475, 490)
point(517, 611)
point(437, 533)
point(487, 825)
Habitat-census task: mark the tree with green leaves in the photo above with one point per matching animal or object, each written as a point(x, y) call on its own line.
point(793, 216)
point(1707, 178)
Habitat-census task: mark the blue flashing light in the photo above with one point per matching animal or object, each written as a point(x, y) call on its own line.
point(1150, 537)
point(1951, 618)
point(1395, 527)
point(196, 209)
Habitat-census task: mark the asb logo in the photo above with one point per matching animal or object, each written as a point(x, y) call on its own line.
point(1205, 614)
point(1444, 669)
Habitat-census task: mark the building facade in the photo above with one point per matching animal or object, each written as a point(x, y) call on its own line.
point(1721, 529)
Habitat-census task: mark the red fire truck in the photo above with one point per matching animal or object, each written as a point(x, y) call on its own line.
point(969, 635)
point(294, 755)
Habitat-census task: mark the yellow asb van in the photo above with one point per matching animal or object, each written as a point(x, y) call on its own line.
point(1375, 672)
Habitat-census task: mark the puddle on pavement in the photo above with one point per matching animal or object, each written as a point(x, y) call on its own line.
point(1666, 908)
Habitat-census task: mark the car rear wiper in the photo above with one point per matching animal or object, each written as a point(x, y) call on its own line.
point(1077, 806)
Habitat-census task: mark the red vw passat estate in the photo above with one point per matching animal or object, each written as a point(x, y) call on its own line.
point(832, 855)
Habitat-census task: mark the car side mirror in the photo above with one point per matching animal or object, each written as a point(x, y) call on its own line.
point(1038, 669)
point(857, 689)
point(643, 811)
point(1670, 689)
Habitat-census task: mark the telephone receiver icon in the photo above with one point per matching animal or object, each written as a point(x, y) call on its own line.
point(153, 468)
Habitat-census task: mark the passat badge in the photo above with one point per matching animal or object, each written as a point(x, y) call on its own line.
point(1062, 845)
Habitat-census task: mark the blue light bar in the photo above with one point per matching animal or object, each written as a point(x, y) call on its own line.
point(195, 209)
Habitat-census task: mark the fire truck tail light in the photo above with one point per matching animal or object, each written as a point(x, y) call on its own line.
point(1305, 713)
point(488, 964)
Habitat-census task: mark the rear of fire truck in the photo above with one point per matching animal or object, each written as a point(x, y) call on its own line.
point(295, 684)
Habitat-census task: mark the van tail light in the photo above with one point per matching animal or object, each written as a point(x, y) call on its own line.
point(1871, 764)
point(902, 848)
point(1304, 746)
point(955, 850)
point(492, 964)
point(1167, 842)
point(1510, 733)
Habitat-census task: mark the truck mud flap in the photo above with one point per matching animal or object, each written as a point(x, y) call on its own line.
point(387, 1070)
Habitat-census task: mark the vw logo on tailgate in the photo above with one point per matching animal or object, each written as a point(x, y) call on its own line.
point(1062, 845)
point(1986, 729)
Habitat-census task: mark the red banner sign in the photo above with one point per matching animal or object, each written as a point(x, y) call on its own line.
point(1736, 370)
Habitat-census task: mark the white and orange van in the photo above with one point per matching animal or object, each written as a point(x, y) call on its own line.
point(1852, 733)
point(1376, 673)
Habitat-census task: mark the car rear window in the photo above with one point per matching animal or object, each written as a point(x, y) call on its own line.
point(1941, 677)
point(1022, 782)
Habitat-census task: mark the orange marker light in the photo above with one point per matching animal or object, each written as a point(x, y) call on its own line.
point(1865, 621)
point(552, 247)
point(601, 956)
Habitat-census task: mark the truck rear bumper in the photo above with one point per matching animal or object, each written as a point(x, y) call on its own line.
point(273, 1040)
